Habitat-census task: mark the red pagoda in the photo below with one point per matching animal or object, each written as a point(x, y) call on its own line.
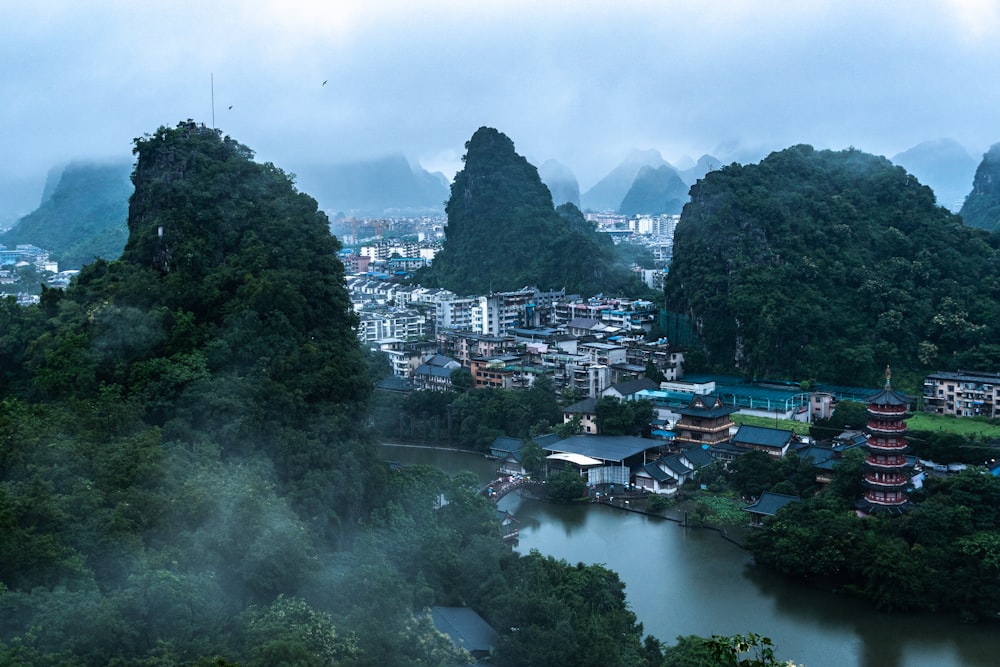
point(886, 476)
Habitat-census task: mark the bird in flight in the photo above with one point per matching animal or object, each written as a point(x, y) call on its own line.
point(324, 82)
point(230, 106)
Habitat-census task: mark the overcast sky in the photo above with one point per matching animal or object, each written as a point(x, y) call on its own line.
point(579, 81)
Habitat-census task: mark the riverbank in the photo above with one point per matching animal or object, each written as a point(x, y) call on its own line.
point(689, 512)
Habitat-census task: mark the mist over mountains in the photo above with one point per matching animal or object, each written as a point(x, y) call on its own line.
point(375, 188)
point(83, 205)
point(943, 165)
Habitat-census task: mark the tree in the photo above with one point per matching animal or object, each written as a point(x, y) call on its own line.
point(690, 651)
point(290, 632)
point(461, 379)
point(532, 458)
point(566, 486)
point(617, 417)
point(566, 615)
point(848, 476)
point(749, 650)
point(568, 429)
point(754, 473)
point(848, 415)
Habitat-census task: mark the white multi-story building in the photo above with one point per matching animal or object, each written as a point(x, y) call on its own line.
point(402, 323)
point(963, 394)
point(456, 312)
point(498, 312)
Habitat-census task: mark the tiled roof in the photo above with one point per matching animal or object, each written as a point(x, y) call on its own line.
point(697, 456)
point(675, 464)
point(654, 471)
point(465, 628)
point(604, 447)
point(586, 406)
point(888, 397)
point(762, 436)
point(769, 503)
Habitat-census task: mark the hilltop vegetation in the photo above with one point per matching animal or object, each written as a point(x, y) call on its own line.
point(503, 232)
point(824, 264)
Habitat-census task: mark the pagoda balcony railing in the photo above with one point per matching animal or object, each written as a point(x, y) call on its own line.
point(885, 499)
point(887, 481)
point(887, 444)
point(887, 410)
point(888, 462)
point(887, 427)
point(712, 428)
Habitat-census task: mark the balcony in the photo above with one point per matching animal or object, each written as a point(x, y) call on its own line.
point(890, 428)
point(888, 499)
point(886, 462)
point(880, 481)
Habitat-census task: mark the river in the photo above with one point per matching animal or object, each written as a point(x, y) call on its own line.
point(688, 581)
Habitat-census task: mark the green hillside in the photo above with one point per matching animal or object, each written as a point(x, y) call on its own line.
point(822, 264)
point(82, 216)
point(982, 207)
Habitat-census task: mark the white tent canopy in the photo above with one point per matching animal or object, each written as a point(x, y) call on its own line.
point(575, 459)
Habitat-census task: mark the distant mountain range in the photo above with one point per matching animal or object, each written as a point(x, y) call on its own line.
point(607, 194)
point(943, 165)
point(646, 183)
point(374, 188)
point(83, 208)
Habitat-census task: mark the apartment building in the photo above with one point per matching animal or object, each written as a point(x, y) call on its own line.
point(962, 394)
point(377, 322)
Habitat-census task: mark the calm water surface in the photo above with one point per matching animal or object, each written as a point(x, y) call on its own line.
point(686, 581)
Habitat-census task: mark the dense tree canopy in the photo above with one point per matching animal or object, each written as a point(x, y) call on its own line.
point(831, 265)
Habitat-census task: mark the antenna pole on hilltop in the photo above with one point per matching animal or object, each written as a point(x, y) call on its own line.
point(213, 100)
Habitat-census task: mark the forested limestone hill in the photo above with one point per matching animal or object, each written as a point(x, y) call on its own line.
point(822, 264)
point(982, 207)
point(655, 192)
point(503, 232)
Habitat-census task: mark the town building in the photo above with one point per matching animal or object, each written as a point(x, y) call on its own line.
point(586, 411)
point(434, 373)
point(376, 322)
point(767, 506)
point(774, 442)
point(963, 394)
point(601, 459)
point(705, 421)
